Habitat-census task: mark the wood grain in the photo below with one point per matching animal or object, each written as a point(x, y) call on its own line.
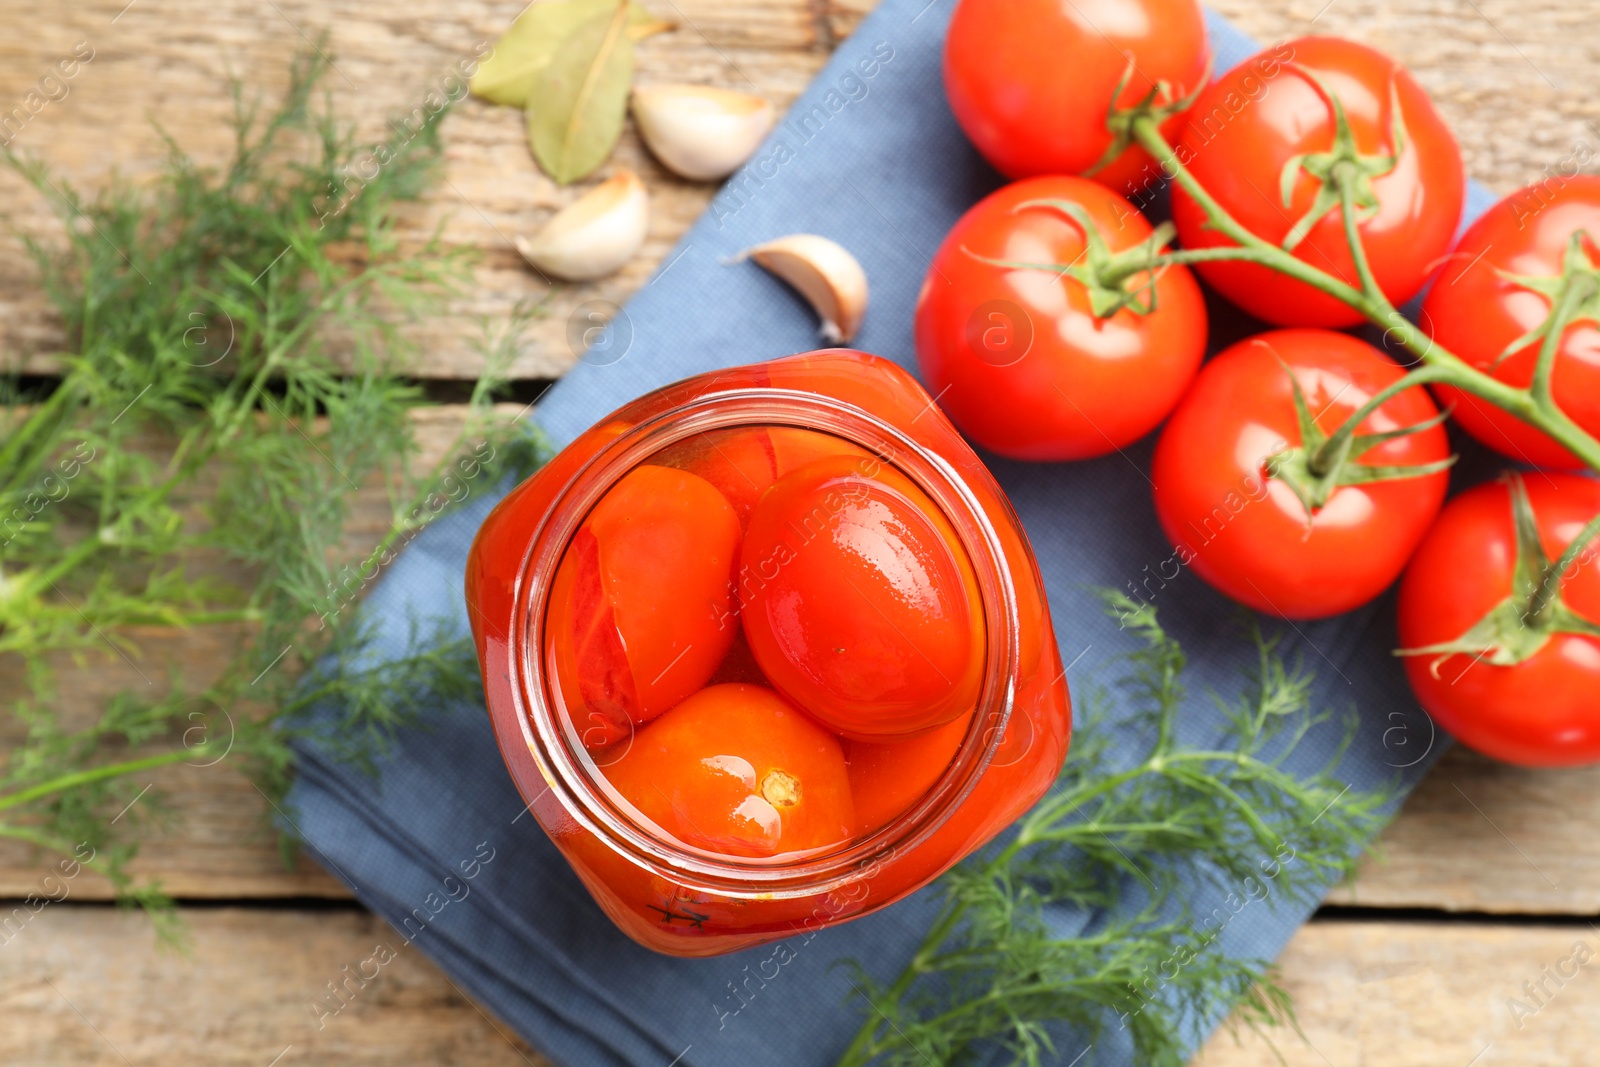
point(170, 60)
point(1506, 75)
point(1478, 835)
point(85, 986)
point(1444, 994)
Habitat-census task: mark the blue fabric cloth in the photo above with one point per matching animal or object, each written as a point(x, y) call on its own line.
point(870, 156)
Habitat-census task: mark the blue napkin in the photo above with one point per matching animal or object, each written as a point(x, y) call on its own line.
point(440, 844)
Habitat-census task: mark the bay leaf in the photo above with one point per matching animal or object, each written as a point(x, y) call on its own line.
point(576, 112)
point(512, 70)
point(642, 24)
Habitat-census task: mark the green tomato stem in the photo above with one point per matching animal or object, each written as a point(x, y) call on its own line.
point(1334, 445)
point(1544, 595)
point(1150, 137)
point(1447, 368)
point(1344, 176)
point(1576, 288)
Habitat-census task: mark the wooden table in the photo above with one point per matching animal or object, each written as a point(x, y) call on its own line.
point(1489, 879)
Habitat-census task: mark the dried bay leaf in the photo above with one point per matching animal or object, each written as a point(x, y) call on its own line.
point(642, 24)
point(576, 112)
point(521, 54)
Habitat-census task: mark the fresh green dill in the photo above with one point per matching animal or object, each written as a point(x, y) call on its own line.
point(1231, 816)
point(236, 343)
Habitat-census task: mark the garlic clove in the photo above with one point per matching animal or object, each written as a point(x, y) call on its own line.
point(700, 131)
point(595, 234)
point(829, 277)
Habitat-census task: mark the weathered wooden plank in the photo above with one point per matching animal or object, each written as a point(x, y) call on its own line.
point(169, 60)
point(1452, 995)
point(1503, 74)
point(1481, 836)
point(87, 986)
point(1376, 994)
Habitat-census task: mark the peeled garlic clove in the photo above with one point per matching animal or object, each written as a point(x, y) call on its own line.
point(700, 131)
point(825, 274)
point(595, 234)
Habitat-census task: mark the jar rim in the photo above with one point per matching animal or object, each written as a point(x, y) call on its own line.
point(578, 782)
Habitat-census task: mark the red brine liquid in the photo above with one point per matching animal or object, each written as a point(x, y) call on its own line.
point(767, 650)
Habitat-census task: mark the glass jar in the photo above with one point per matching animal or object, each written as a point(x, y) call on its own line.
point(918, 802)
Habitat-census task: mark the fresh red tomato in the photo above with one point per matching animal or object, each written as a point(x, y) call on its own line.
point(859, 602)
point(739, 771)
point(1247, 128)
point(1477, 312)
point(1031, 81)
point(1017, 357)
point(886, 778)
point(742, 463)
point(641, 608)
point(1251, 535)
point(1542, 711)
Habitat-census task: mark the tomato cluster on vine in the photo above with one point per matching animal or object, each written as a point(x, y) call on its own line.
point(1301, 471)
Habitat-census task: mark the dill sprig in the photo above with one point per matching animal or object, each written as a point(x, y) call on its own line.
point(1133, 847)
point(236, 338)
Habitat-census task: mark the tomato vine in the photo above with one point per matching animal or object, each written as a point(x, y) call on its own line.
point(1533, 404)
